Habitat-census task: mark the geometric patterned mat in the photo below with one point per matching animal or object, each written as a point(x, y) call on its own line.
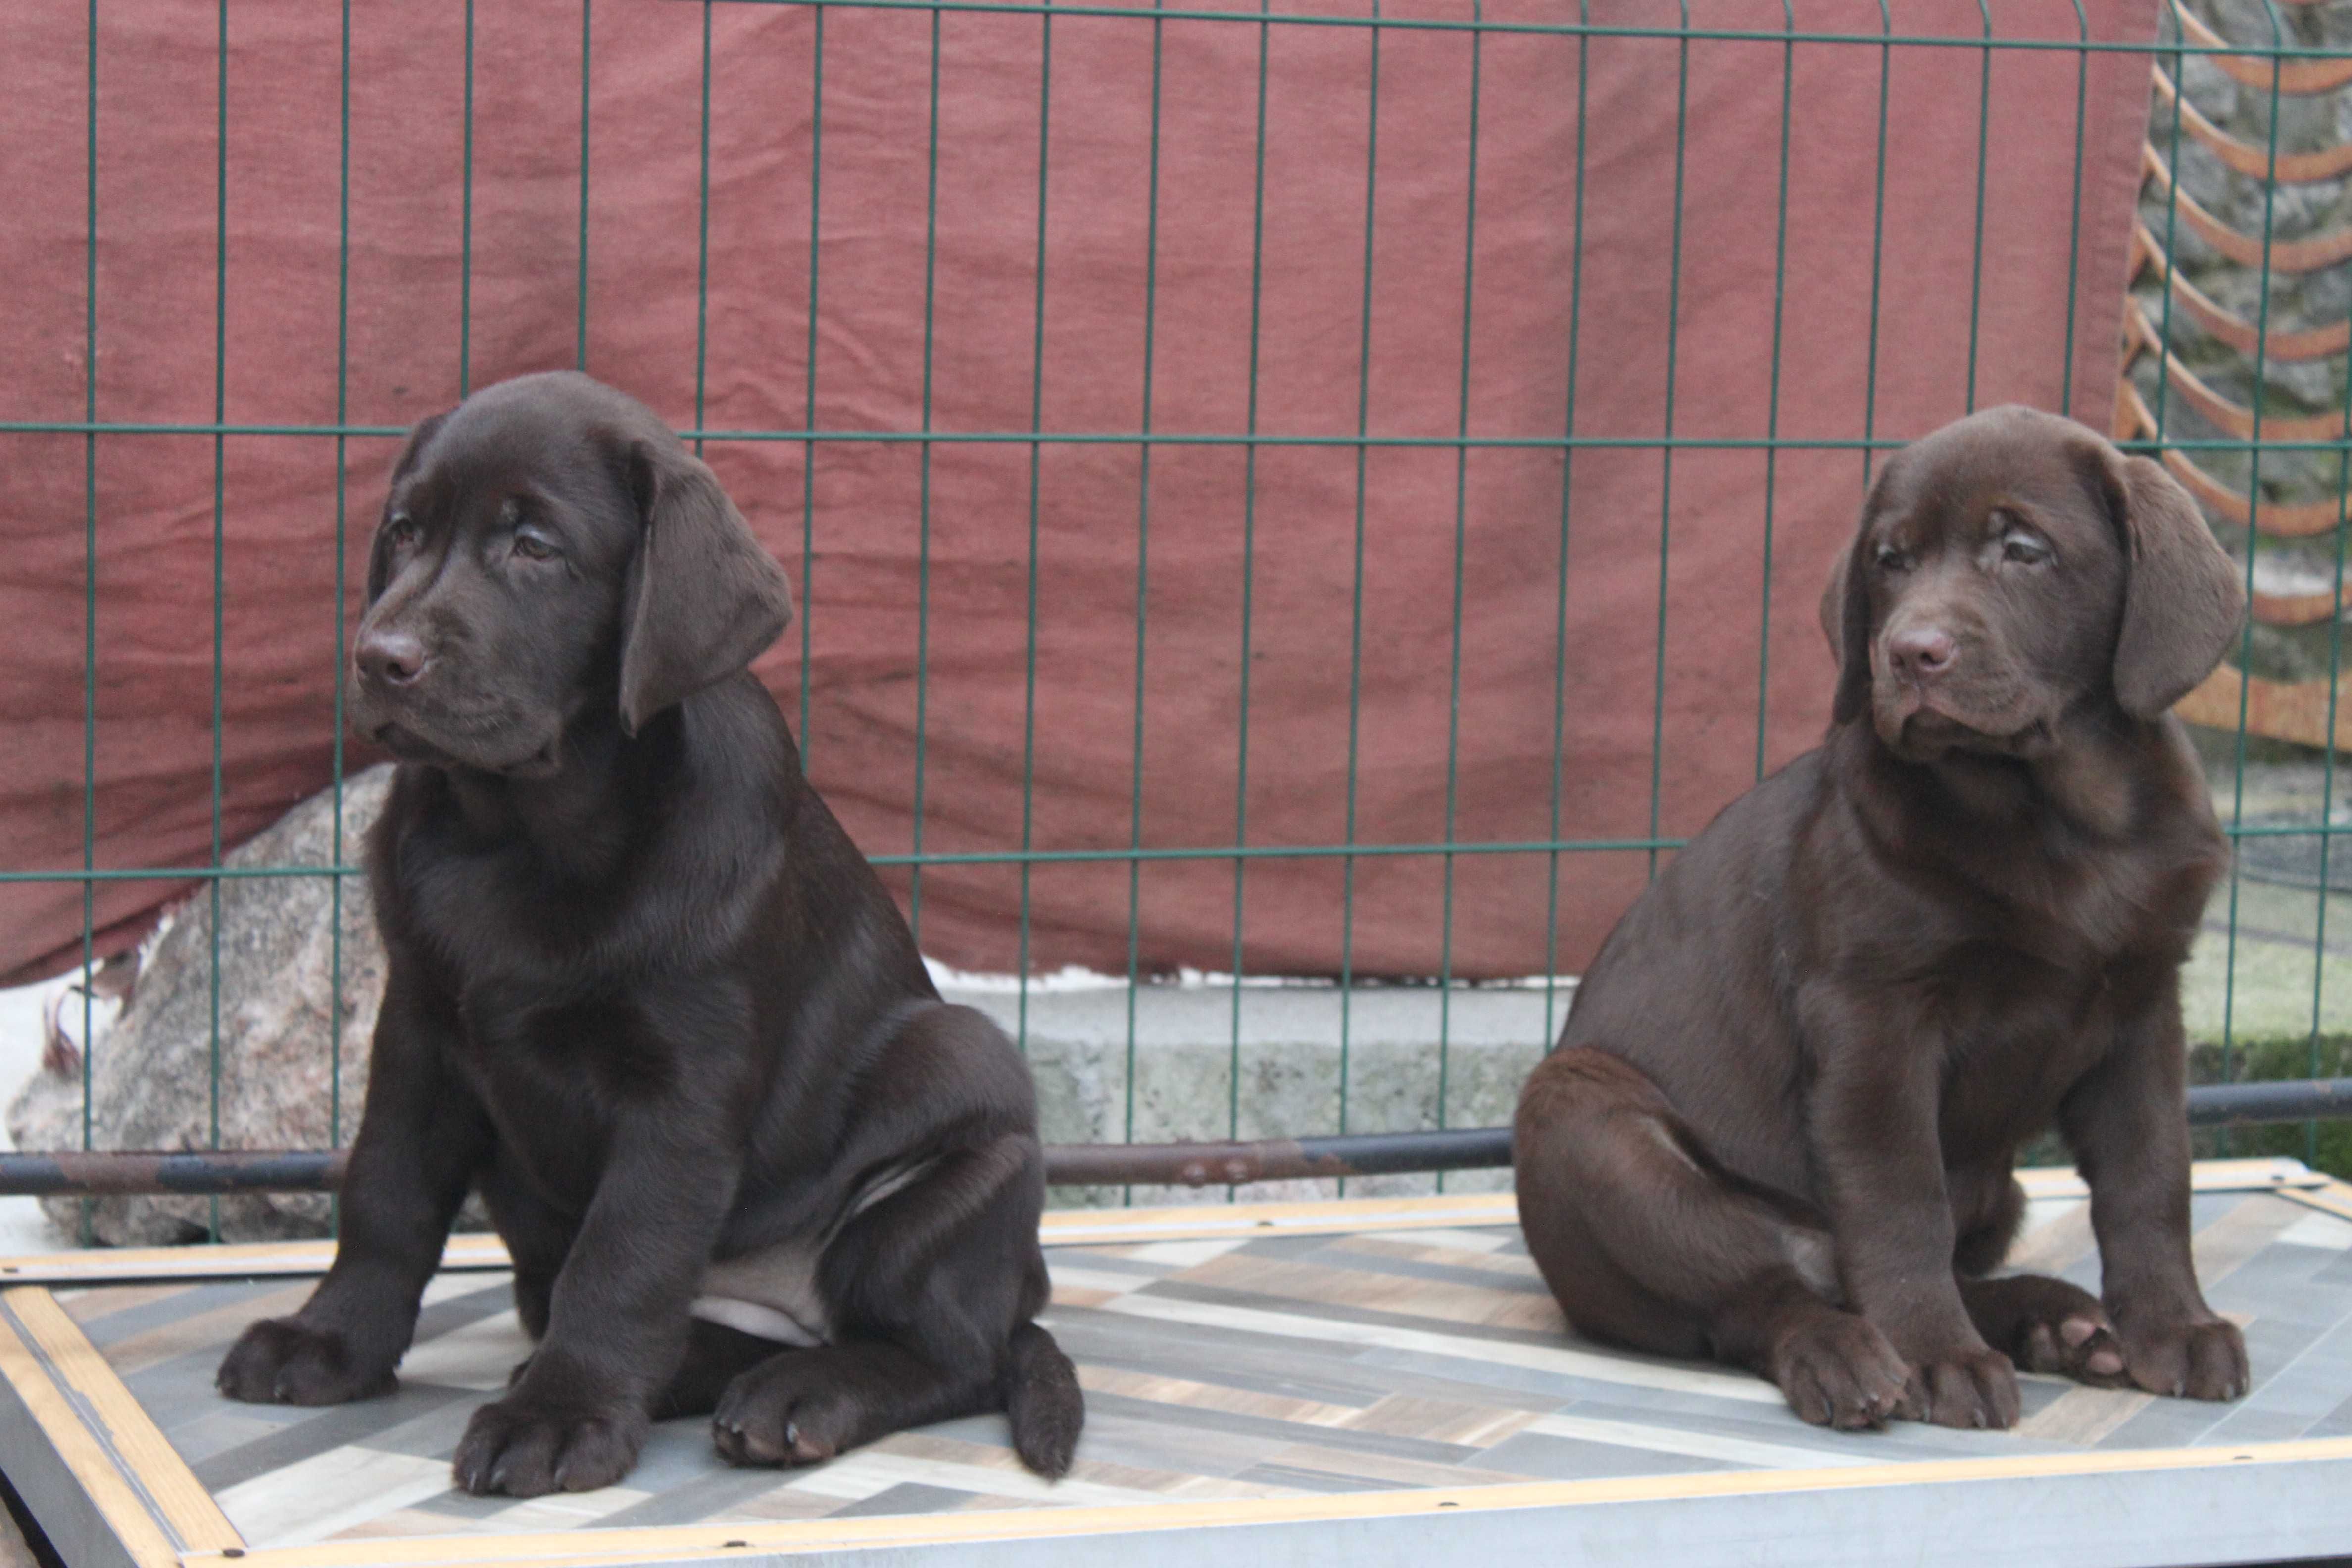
point(1401, 1348)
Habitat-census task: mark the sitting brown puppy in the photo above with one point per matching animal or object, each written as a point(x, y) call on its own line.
point(643, 994)
point(1780, 1125)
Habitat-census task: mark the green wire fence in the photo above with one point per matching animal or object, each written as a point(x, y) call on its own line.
point(2203, 386)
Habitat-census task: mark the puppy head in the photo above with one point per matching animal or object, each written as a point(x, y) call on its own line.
point(2013, 567)
point(549, 552)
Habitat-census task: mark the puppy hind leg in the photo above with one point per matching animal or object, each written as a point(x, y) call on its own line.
point(538, 1237)
point(926, 1291)
point(1986, 1214)
point(802, 1406)
point(715, 1356)
point(1639, 1237)
point(2041, 1324)
point(1646, 1242)
point(2047, 1325)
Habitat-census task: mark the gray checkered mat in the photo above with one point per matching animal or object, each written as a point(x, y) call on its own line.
point(1217, 1368)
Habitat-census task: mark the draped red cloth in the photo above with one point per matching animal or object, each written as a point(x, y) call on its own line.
point(1400, 606)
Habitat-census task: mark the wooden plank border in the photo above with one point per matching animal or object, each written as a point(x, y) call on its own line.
point(113, 1415)
point(112, 1493)
point(2335, 1198)
point(89, 1503)
point(248, 1260)
point(1162, 1532)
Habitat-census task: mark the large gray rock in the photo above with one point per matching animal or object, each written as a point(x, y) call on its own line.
point(1184, 1040)
point(279, 1006)
point(285, 1032)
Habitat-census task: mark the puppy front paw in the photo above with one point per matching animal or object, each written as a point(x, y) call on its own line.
point(523, 1448)
point(283, 1361)
point(2199, 1358)
point(1837, 1370)
point(1965, 1388)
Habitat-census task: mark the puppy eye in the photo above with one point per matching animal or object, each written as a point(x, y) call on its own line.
point(2023, 548)
point(1891, 558)
point(531, 547)
point(400, 530)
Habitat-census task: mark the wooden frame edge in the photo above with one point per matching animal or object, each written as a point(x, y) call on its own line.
point(590, 1548)
point(98, 1470)
point(258, 1259)
point(138, 1445)
point(77, 1489)
point(2335, 1198)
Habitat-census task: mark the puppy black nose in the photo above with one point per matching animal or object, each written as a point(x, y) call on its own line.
point(389, 658)
point(1920, 651)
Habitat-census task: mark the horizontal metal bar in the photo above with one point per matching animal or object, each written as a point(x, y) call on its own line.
point(185, 428)
point(182, 873)
point(1276, 1159)
point(1981, 40)
point(980, 857)
point(1090, 856)
point(1067, 1164)
point(1159, 438)
point(2296, 1100)
point(197, 1173)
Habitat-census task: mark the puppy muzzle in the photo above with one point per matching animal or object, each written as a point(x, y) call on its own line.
point(402, 724)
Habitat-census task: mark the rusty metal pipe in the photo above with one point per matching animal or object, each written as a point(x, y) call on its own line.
point(205, 1172)
point(196, 1173)
point(2243, 1104)
point(1274, 1159)
point(201, 1173)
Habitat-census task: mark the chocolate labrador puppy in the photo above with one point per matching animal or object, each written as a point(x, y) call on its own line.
point(1779, 1128)
point(646, 996)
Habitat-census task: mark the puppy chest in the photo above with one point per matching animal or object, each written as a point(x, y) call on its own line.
point(602, 1049)
point(554, 1079)
point(2011, 1057)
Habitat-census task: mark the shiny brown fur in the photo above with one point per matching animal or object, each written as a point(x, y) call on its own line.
point(1780, 1126)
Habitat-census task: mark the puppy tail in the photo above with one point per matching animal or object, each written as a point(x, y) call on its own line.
point(1042, 1398)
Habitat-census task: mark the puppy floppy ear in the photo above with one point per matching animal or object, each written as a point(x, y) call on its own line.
point(1833, 606)
point(2183, 599)
point(703, 598)
point(1845, 621)
point(380, 551)
point(1846, 616)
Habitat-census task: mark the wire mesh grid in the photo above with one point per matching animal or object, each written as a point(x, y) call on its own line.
point(2282, 448)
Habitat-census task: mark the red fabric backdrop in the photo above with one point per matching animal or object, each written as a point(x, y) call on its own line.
point(2046, 265)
